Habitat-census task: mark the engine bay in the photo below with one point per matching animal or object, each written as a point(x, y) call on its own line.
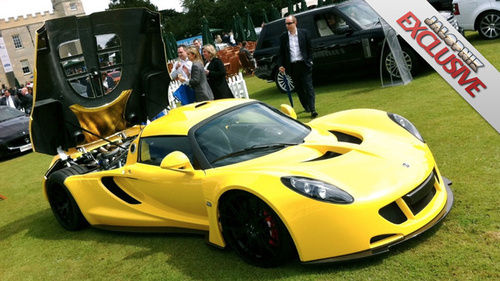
point(102, 155)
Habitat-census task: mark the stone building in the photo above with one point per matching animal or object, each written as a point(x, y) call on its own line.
point(19, 36)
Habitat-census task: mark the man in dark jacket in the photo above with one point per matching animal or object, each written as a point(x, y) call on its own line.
point(10, 100)
point(295, 57)
point(26, 100)
point(216, 73)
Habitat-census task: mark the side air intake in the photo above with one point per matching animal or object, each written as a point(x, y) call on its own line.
point(111, 185)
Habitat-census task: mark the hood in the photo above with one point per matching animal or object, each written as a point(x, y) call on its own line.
point(96, 75)
point(373, 169)
point(14, 127)
point(364, 173)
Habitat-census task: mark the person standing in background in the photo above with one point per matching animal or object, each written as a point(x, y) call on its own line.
point(10, 100)
point(295, 57)
point(197, 45)
point(232, 42)
point(218, 39)
point(216, 73)
point(182, 67)
point(198, 78)
point(26, 100)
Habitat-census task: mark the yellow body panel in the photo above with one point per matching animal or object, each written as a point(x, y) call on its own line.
point(388, 164)
point(179, 120)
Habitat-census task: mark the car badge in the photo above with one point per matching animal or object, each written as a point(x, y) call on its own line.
point(27, 140)
point(406, 165)
point(24, 133)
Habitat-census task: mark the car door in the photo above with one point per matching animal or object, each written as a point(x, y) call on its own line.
point(338, 43)
point(177, 195)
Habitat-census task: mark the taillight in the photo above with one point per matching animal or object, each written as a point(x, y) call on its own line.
point(456, 10)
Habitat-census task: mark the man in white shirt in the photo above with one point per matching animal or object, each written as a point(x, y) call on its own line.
point(295, 57)
point(9, 100)
point(183, 65)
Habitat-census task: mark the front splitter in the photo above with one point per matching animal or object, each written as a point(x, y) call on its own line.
point(386, 248)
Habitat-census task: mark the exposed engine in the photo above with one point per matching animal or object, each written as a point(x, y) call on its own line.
point(110, 156)
point(106, 157)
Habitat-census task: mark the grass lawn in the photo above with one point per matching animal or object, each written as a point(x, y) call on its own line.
point(466, 246)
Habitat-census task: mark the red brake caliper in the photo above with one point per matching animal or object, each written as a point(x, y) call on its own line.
point(273, 232)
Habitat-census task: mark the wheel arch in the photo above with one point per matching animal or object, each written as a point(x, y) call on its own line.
point(75, 170)
point(215, 232)
point(480, 14)
point(56, 184)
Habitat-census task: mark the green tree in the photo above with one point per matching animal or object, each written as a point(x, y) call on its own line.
point(117, 4)
point(173, 21)
point(219, 14)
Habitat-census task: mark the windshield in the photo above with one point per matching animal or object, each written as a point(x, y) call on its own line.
point(246, 133)
point(7, 113)
point(361, 13)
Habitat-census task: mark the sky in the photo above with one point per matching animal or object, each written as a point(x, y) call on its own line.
point(14, 8)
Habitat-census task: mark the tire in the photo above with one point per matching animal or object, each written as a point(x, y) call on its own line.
point(61, 201)
point(389, 64)
point(488, 25)
point(254, 231)
point(280, 82)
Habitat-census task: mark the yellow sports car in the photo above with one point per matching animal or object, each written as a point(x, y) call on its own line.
point(344, 186)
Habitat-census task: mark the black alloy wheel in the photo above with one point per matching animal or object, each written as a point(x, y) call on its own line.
point(62, 203)
point(489, 25)
point(254, 230)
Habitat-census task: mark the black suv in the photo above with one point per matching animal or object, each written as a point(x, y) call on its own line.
point(346, 38)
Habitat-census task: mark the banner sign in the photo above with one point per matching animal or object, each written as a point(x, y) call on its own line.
point(447, 51)
point(4, 57)
point(189, 41)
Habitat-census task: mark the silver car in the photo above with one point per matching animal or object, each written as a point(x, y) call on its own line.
point(480, 15)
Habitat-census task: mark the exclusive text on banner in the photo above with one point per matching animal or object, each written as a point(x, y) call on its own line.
point(447, 51)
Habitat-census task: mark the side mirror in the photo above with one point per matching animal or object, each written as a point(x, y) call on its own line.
point(288, 110)
point(177, 161)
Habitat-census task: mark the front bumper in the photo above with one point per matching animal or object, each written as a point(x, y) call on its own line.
point(386, 247)
point(9, 150)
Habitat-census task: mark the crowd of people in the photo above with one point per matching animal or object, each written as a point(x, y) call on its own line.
point(202, 72)
point(295, 58)
point(199, 69)
point(20, 98)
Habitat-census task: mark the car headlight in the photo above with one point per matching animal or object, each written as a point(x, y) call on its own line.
point(407, 125)
point(318, 190)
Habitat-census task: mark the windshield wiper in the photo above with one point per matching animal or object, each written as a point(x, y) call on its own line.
point(252, 149)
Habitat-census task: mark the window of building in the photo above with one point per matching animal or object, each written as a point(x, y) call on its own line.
point(26, 67)
point(72, 6)
point(17, 41)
